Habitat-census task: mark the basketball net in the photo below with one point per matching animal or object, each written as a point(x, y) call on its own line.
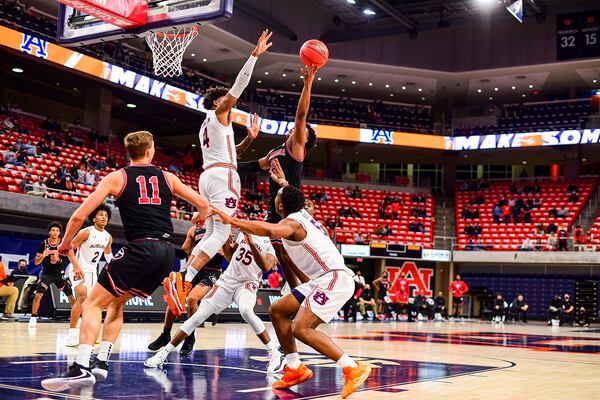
point(168, 48)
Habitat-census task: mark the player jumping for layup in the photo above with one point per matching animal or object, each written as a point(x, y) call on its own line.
point(220, 182)
point(249, 257)
point(290, 155)
point(317, 301)
point(91, 243)
point(143, 194)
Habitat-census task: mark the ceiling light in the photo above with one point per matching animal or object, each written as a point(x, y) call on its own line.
point(420, 90)
point(496, 89)
point(391, 94)
point(595, 81)
point(479, 90)
point(423, 98)
point(336, 80)
point(584, 159)
point(17, 70)
point(259, 81)
point(351, 1)
point(284, 75)
point(131, 105)
point(513, 87)
point(370, 83)
point(266, 72)
point(387, 85)
point(193, 144)
point(368, 11)
point(343, 90)
point(204, 59)
point(403, 87)
point(354, 82)
point(319, 78)
point(193, 54)
point(491, 98)
point(524, 162)
point(523, 95)
point(371, 160)
point(293, 85)
point(530, 86)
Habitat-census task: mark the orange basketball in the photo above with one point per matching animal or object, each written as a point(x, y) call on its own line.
point(314, 53)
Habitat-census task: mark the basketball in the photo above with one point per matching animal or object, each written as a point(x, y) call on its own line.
point(314, 53)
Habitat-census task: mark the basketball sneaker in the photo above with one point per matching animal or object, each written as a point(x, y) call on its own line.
point(354, 377)
point(188, 345)
point(77, 376)
point(160, 341)
point(176, 290)
point(73, 338)
point(99, 369)
point(276, 362)
point(292, 377)
point(157, 360)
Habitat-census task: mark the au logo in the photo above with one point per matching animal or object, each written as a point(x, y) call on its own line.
point(34, 46)
point(376, 136)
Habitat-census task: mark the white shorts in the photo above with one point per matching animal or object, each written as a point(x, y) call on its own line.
point(327, 294)
point(90, 278)
point(226, 291)
point(221, 187)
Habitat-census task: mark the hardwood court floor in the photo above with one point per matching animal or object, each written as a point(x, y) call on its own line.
point(413, 361)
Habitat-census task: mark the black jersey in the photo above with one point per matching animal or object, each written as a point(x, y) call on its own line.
point(214, 264)
point(292, 168)
point(53, 263)
point(145, 203)
point(384, 286)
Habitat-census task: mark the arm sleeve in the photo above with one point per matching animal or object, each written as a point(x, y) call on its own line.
point(243, 78)
point(248, 166)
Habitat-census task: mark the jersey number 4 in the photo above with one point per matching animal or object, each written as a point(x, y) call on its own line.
point(205, 139)
point(144, 199)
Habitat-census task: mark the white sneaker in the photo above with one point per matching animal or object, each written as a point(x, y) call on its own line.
point(157, 360)
point(32, 322)
point(73, 338)
point(276, 362)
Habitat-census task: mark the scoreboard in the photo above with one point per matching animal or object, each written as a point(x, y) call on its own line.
point(396, 250)
point(578, 35)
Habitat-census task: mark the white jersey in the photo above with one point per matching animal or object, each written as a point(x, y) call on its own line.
point(91, 250)
point(316, 254)
point(217, 142)
point(242, 267)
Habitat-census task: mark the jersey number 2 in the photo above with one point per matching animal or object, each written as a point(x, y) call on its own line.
point(144, 199)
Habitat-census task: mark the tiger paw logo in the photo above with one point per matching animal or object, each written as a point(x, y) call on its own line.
point(231, 202)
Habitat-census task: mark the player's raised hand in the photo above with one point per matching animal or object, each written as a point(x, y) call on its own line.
point(197, 219)
point(64, 248)
point(263, 43)
point(220, 216)
point(277, 174)
point(308, 74)
point(254, 127)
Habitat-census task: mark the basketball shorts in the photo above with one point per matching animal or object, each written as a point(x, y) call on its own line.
point(226, 291)
point(205, 278)
point(221, 187)
point(90, 277)
point(325, 295)
point(458, 300)
point(62, 283)
point(138, 268)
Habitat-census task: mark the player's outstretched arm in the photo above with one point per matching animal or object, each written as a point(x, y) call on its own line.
point(298, 138)
point(264, 262)
point(190, 195)
point(283, 230)
point(111, 184)
point(243, 78)
point(229, 248)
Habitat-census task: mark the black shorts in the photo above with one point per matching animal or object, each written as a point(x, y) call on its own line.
point(62, 283)
point(138, 268)
point(458, 300)
point(205, 278)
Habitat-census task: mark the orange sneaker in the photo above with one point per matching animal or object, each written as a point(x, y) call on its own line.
point(292, 377)
point(354, 377)
point(171, 284)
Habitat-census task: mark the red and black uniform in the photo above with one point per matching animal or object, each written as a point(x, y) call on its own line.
point(209, 274)
point(53, 269)
point(145, 208)
point(458, 289)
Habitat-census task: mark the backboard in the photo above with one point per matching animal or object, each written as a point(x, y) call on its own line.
point(75, 28)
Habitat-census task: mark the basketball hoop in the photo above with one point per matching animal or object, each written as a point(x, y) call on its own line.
point(168, 48)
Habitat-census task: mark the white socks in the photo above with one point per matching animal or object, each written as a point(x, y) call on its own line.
point(293, 360)
point(272, 348)
point(169, 347)
point(346, 361)
point(190, 274)
point(84, 353)
point(105, 349)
